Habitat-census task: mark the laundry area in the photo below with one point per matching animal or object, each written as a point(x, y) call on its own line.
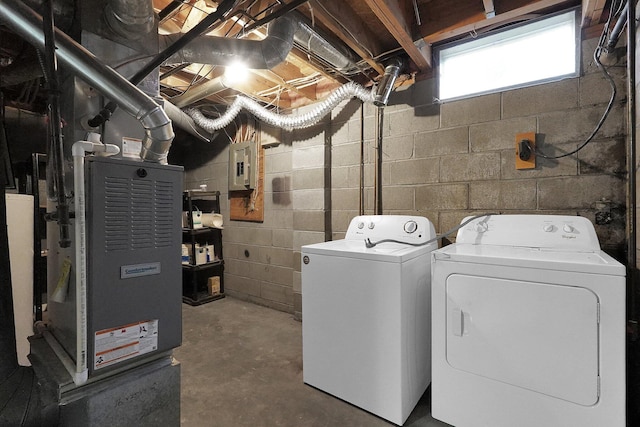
point(319, 213)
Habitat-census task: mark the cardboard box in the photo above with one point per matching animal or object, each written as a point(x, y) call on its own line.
point(214, 285)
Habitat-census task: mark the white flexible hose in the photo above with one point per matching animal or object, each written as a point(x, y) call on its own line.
point(298, 121)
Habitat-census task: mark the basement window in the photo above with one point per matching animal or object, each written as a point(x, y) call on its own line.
point(537, 52)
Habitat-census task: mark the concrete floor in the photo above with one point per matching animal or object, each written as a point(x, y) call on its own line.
point(242, 366)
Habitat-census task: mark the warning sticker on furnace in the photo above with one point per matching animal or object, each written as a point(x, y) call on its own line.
point(116, 345)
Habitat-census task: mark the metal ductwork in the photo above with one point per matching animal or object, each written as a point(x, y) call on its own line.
point(63, 11)
point(130, 19)
point(337, 56)
point(391, 72)
point(158, 130)
point(255, 54)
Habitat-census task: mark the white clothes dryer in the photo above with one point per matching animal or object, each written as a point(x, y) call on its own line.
point(528, 326)
point(366, 315)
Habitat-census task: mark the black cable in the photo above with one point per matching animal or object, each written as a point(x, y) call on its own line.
point(596, 57)
point(223, 10)
point(369, 244)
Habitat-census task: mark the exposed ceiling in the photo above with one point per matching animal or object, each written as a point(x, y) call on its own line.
point(367, 32)
point(371, 30)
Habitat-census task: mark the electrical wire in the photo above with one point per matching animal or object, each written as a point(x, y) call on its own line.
point(369, 244)
point(596, 57)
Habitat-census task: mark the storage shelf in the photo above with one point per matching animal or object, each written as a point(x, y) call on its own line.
point(197, 231)
point(194, 277)
point(192, 267)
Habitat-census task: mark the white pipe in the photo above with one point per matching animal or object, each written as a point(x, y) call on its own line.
point(79, 150)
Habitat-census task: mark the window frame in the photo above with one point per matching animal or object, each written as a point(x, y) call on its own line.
point(578, 55)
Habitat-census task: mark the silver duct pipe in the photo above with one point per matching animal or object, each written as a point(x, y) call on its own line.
point(186, 123)
point(315, 43)
point(201, 91)
point(299, 121)
point(63, 11)
point(391, 72)
point(158, 130)
point(255, 54)
point(130, 19)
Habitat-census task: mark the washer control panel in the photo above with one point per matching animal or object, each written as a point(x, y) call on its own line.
point(414, 229)
point(536, 231)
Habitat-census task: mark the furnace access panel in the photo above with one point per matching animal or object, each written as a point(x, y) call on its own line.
point(134, 288)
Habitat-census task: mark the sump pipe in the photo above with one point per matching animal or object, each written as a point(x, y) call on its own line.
point(56, 145)
point(158, 130)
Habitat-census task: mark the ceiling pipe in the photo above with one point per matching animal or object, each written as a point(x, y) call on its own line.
point(130, 19)
point(255, 54)
point(223, 9)
point(180, 119)
point(203, 90)
point(158, 131)
point(338, 56)
point(391, 72)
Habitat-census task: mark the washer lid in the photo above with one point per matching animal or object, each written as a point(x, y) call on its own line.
point(385, 252)
point(597, 262)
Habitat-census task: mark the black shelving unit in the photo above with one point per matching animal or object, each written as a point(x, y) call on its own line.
point(194, 277)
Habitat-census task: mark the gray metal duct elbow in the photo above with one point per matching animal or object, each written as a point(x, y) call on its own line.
point(130, 19)
point(158, 129)
point(158, 135)
point(391, 72)
point(256, 54)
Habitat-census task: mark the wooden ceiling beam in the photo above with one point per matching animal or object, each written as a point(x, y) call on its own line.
point(350, 29)
point(398, 24)
point(456, 31)
point(592, 11)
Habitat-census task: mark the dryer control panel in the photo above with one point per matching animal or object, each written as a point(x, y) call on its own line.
point(405, 228)
point(537, 231)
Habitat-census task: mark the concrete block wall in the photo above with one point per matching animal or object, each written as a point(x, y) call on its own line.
point(451, 160)
point(443, 161)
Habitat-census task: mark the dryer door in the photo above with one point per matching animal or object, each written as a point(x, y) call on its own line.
point(541, 337)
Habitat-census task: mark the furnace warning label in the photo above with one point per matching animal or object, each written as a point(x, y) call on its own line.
point(125, 342)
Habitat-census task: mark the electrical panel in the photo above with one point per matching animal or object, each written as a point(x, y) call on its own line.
point(242, 166)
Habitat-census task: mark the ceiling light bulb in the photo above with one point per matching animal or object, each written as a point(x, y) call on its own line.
point(236, 73)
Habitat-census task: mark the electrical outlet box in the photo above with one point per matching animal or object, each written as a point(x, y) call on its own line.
point(525, 150)
point(242, 166)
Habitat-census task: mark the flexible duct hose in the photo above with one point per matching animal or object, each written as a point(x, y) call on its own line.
point(298, 121)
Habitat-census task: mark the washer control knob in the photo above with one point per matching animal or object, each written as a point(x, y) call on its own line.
point(481, 227)
point(361, 225)
point(371, 225)
point(548, 228)
point(568, 229)
point(410, 226)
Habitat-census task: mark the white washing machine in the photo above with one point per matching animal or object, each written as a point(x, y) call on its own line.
point(528, 326)
point(366, 315)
